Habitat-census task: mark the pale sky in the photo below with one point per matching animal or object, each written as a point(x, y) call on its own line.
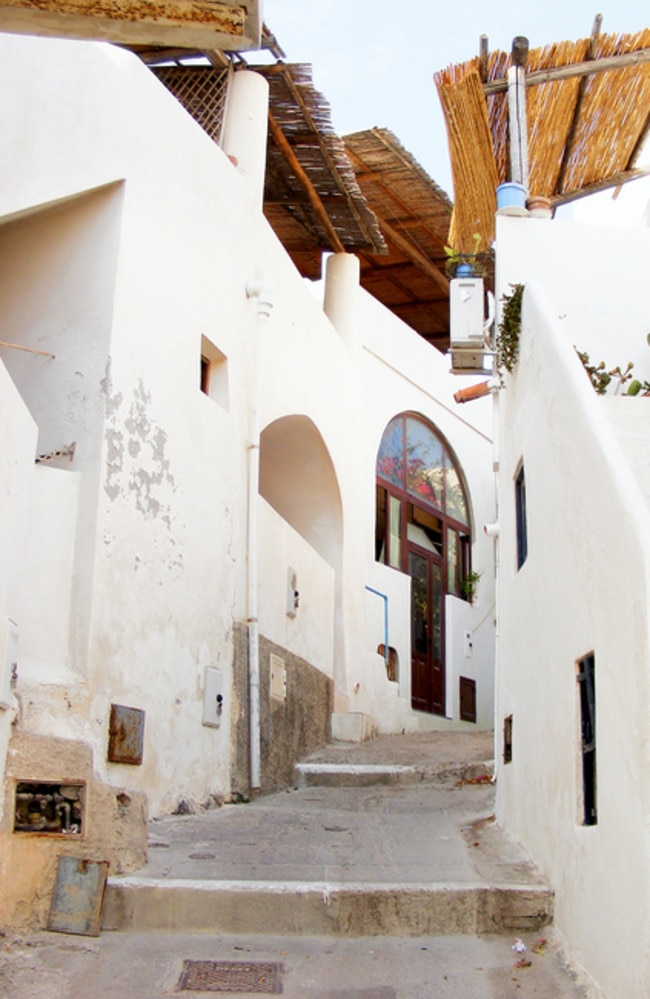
point(374, 59)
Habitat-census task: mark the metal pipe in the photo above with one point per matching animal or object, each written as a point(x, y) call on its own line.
point(262, 293)
point(384, 597)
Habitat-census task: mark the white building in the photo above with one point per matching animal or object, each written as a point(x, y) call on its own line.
point(159, 332)
point(572, 595)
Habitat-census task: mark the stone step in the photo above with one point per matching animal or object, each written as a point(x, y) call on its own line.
point(312, 774)
point(136, 904)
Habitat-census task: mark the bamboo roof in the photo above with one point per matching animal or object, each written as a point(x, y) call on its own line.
point(588, 108)
point(414, 215)
point(311, 196)
point(363, 194)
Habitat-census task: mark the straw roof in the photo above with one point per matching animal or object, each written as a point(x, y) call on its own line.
point(588, 109)
point(413, 214)
point(311, 196)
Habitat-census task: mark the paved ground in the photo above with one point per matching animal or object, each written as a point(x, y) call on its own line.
point(433, 833)
point(148, 966)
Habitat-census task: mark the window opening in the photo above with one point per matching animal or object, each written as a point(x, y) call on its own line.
point(521, 521)
point(213, 374)
point(507, 739)
point(587, 687)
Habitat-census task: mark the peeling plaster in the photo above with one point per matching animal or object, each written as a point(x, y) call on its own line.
point(136, 461)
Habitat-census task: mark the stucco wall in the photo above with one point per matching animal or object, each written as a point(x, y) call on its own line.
point(583, 588)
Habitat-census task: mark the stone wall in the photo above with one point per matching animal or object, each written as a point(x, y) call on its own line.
point(291, 728)
point(114, 828)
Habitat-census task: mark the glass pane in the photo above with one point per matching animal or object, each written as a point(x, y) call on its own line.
point(452, 562)
point(454, 499)
point(380, 526)
point(394, 532)
point(419, 603)
point(390, 461)
point(436, 598)
point(424, 464)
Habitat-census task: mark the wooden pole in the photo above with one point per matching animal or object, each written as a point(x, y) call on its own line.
point(323, 218)
point(517, 119)
point(30, 350)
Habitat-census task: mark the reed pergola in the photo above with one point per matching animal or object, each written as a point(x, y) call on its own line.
point(588, 116)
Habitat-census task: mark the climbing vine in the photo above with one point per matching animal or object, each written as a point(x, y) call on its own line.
point(509, 330)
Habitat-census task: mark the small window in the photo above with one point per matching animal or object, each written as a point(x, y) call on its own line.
point(586, 677)
point(520, 513)
point(213, 376)
point(507, 739)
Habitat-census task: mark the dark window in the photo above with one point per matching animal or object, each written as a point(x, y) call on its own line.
point(507, 739)
point(587, 687)
point(205, 374)
point(522, 528)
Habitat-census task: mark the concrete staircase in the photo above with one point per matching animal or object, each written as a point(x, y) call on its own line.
point(360, 849)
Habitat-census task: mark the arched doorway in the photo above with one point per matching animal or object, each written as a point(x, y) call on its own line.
point(422, 529)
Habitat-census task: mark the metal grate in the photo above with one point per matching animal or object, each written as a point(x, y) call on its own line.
point(231, 976)
point(202, 91)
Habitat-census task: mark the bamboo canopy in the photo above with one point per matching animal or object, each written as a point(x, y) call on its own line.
point(588, 108)
point(413, 214)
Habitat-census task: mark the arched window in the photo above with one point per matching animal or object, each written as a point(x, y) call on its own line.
point(421, 498)
point(423, 529)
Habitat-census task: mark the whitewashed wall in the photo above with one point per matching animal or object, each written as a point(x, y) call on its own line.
point(582, 589)
point(140, 238)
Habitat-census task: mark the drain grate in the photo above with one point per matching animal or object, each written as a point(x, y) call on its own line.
point(231, 976)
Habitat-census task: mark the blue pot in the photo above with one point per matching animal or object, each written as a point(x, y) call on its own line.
point(511, 195)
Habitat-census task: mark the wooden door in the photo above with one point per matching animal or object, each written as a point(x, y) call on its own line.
point(427, 631)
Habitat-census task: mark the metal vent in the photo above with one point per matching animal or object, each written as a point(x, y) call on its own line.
point(231, 976)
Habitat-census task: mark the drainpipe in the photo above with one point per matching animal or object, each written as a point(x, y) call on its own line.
point(264, 297)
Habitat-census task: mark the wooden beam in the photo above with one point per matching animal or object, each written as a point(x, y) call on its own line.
point(517, 117)
point(284, 146)
point(324, 148)
point(576, 69)
point(573, 128)
point(617, 180)
point(230, 25)
point(414, 255)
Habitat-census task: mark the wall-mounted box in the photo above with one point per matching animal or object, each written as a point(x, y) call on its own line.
point(125, 735)
point(212, 697)
point(49, 807)
point(278, 678)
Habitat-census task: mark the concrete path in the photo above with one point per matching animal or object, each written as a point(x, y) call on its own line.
point(389, 891)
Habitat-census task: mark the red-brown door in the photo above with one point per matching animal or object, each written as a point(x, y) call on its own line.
point(427, 631)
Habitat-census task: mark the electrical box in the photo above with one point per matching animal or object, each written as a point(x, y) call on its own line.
point(8, 660)
point(278, 678)
point(468, 643)
point(467, 326)
point(212, 697)
point(293, 597)
point(466, 318)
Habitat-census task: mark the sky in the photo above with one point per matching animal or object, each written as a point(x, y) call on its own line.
point(374, 59)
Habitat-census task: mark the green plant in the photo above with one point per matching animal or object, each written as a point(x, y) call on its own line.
point(509, 330)
point(478, 261)
point(600, 377)
point(469, 584)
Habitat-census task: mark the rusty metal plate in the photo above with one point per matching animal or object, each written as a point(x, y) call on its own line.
point(125, 734)
point(232, 976)
point(78, 897)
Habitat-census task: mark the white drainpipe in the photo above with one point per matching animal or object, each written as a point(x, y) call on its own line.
point(264, 297)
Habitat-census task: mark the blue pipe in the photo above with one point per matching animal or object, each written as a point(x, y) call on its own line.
point(384, 597)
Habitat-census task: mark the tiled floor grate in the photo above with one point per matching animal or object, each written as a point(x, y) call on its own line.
point(231, 976)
